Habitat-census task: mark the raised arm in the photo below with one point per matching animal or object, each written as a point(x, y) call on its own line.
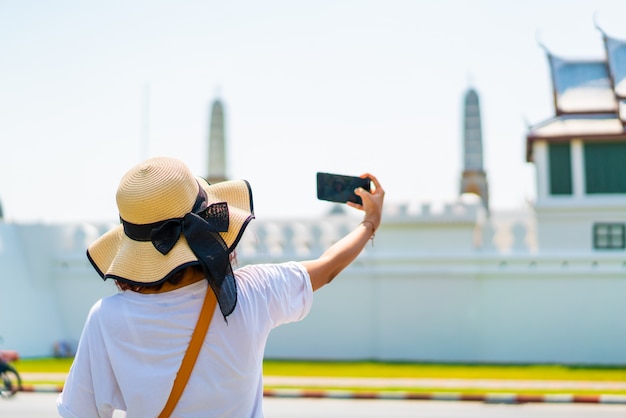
point(336, 258)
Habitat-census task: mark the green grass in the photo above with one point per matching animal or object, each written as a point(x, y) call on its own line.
point(456, 371)
point(451, 371)
point(398, 370)
point(43, 365)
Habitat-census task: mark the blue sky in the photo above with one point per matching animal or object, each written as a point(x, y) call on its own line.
point(338, 86)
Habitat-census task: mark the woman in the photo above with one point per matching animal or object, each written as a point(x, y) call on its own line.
point(172, 251)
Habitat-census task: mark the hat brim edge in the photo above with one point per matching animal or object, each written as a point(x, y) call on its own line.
point(231, 248)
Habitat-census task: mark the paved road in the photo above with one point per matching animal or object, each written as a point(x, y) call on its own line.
point(42, 405)
point(486, 384)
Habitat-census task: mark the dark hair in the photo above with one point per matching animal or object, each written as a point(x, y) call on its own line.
point(174, 280)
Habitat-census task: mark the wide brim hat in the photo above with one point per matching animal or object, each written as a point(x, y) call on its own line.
point(171, 219)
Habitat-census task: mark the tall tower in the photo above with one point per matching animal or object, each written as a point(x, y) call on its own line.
point(474, 178)
point(217, 144)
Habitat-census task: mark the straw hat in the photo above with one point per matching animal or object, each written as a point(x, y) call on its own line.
point(170, 220)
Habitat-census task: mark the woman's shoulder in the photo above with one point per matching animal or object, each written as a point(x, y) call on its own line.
point(112, 305)
point(270, 270)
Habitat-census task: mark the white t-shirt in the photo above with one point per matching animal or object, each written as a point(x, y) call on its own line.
point(132, 346)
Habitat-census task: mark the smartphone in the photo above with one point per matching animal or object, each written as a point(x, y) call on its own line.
point(339, 188)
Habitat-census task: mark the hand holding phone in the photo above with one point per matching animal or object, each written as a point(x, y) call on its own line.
point(340, 188)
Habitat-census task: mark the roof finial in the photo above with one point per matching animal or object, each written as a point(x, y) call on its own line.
point(596, 24)
point(540, 42)
point(526, 122)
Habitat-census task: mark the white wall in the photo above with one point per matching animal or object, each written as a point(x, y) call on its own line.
point(483, 309)
point(428, 290)
point(47, 286)
point(567, 224)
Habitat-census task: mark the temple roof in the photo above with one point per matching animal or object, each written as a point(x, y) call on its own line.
point(616, 53)
point(581, 86)
point(589, 98)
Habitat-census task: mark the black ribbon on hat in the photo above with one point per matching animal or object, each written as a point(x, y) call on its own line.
point(201, 228)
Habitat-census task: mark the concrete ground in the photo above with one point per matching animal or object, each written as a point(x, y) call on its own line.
point(42, 405)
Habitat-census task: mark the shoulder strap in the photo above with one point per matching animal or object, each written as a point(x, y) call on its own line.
point(189, 360)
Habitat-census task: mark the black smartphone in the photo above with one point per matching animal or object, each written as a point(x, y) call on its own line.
point(339, 188)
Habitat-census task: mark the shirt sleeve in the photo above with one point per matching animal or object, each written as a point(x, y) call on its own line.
point(286, 288)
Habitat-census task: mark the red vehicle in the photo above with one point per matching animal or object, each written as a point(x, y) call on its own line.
point(10, 381)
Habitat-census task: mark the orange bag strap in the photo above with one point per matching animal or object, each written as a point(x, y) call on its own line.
point(189, 360)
